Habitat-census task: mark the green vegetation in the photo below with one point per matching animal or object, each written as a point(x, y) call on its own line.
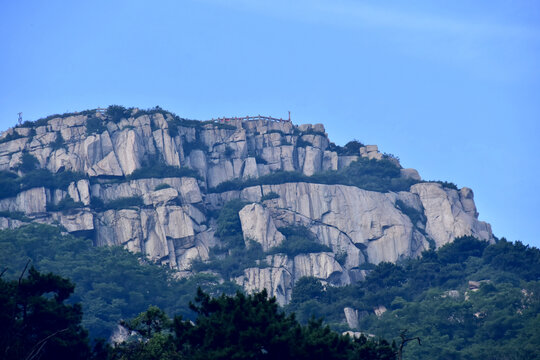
point(37, 321)
point(302, 143)
point(11, 184)
point(45, 121)
point(284, 141)
point(172, 128)
point(115, 113)
point(162, 186)
point(58, 142)
point(229, 229)
point(269, 196)
point(28, 162)
point(197, 144)
point(260, 160)
point(177, 122)
point(298, 240)
point(389, 156)
point(446, 184)
point(112, 283)
point(231, 263)
point(375, 175)
point(276, 131)
point(351, 148)
point(341, 257)
point(9, 137)
point(94, 125)
point(240, 327)
point(229, 151)
point(413, 214)
point(65, 204)
point(15, 215)
point(117, 204)
point(157, 169)
point(430, 297)
point(232, 257)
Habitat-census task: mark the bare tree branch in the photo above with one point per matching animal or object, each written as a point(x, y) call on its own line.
point(36, 349)
point(24, 270)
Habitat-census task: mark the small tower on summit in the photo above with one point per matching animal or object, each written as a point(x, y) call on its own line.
point(19, 120)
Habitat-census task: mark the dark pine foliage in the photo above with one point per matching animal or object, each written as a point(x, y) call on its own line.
point(37, 323)
point(376, 175)
point(430, 297)
point(11, 184)
point(241, 327)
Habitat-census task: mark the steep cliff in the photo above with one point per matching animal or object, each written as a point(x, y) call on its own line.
point(155, 183)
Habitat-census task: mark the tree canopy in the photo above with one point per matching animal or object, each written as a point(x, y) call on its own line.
point(241, 327)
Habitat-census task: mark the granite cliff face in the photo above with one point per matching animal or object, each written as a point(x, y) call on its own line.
point(129, 184)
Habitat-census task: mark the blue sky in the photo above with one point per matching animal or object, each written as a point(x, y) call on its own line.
point(452, 88)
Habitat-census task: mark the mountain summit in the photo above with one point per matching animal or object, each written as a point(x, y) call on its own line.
point(259, 201)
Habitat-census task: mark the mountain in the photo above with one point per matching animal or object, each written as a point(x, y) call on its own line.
point(260, 201)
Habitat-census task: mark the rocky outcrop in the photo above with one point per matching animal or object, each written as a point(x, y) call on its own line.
point(366, 225)
point(131, 190)
point(351, 316)
point(279, 272)
point(29, 202)
point(257, 225)
point(450, 213)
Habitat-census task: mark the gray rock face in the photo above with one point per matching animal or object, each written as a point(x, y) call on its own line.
point(410, 174)
point(257, 225)
point(351, 315)
point(281, 273)
point(29, 202)
point(450, 213)
point(366, 225)
point(173, 220)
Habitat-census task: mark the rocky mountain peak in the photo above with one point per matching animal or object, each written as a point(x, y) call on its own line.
point(159, 184)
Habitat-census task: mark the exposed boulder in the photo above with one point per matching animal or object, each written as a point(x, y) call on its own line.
point(447, 216)
point(351, 316)
point(257, 225)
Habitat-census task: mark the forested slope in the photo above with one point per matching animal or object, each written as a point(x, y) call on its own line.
point(468, 300)
point(111, 283)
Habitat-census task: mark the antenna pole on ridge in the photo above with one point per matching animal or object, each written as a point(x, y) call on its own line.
point(19, 120)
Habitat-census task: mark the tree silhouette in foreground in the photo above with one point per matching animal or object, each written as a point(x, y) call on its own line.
point(241, 327)
point(35, 321)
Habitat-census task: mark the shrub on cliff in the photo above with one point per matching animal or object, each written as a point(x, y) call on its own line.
point(157, 169)
point(28, 162)
point(94, 125)
point(298, 240)
point(115, 113)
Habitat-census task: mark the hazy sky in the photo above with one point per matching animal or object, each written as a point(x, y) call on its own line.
point(452, 88)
